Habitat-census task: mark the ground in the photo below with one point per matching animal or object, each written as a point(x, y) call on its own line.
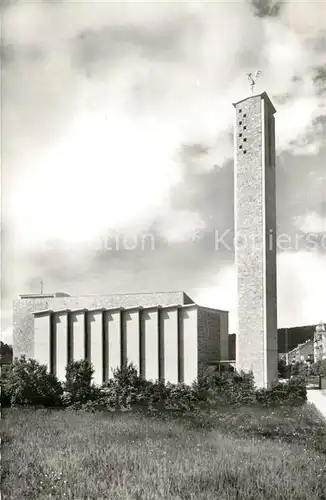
point(248, 453)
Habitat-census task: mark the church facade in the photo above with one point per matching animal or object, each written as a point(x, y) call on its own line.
point(165, 335)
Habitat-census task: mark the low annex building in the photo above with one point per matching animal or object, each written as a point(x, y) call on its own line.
point(165, 335)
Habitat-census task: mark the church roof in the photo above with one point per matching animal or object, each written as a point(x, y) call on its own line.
point(263, 96)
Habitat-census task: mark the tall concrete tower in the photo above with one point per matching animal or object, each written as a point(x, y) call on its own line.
point(255, 238)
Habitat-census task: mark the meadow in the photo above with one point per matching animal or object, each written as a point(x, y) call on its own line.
point(243, 453)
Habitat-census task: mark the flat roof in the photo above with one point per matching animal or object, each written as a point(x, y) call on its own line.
point(131, 308)
point(263, 95)
point(50, 295)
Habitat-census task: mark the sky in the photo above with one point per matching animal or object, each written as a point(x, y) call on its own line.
point(117, 147)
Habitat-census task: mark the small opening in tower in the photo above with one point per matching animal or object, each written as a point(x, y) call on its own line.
point(244, 151)
point(240, 147)
point(244, 116)
point(240, 123)
point(240, 110)
point(244, 128)
point(245, 139)
point(240, 135)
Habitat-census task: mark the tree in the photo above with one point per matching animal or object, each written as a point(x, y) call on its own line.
point(319, 368)
point(78, 385)
point(283, 369)
point(28, 382)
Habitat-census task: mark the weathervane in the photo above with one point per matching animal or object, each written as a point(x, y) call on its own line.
point(253, 79)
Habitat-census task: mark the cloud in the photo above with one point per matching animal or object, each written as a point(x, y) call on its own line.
point(311, 223)
point(303, 302)
point(6, 336)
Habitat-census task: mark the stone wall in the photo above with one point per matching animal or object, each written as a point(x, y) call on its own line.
point(224, 335)
point(209, 336)
point(23, 320)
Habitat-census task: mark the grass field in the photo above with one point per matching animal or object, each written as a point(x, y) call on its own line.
point(247, 453)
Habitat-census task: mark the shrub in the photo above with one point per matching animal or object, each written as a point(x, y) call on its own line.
point(121, 392)
point(28, 382)
point(78, 386)
point(299, 369)
point(226, 388)
point(284, 370)
point(181, 397)
point(319, 368)
point(127, 390)
point(127, 376)
point(292, 392)
point(5, 395)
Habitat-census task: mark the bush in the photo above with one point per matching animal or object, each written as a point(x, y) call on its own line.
point(78, 386)
point(28, 382)
point(127, 376)
point(284, 370)
point(319, 368)
point(227, 388)
point(126, 390)
point(292, 392)
point(5, 395)
point(299, 369)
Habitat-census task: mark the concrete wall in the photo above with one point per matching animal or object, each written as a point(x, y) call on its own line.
point(42, 339)
point(224, 335)
point(270, 245)
point(132, 335)
point(23, 320)
point(114, 341)
point(209, 348)
point(78, 335)
point(254, 211)
point(61, 344)
point(189, 345)
point(151, 343)
point(96, 344)
point(169, 329)
point(172, 343)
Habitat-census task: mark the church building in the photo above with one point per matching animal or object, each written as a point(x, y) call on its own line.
point(165, 335)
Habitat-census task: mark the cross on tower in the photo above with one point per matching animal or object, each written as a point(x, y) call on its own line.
point(41, 283)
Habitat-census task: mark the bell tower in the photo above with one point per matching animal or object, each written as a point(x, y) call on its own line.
point(255, 238)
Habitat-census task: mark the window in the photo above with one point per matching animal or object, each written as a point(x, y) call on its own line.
point(240, 147)
point(245, 139)
point(244, 116)
point(245, 128)
point(240, 123)
point(240, 135)
point(240, 110)
point(244, 152)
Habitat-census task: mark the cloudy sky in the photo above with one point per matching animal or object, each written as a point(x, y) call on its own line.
point(117, 119)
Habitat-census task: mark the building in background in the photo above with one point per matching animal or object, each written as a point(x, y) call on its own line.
point(303, 352)
point(293, 342)
point(165, 335)
point(6, 356)
point(320, 342)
